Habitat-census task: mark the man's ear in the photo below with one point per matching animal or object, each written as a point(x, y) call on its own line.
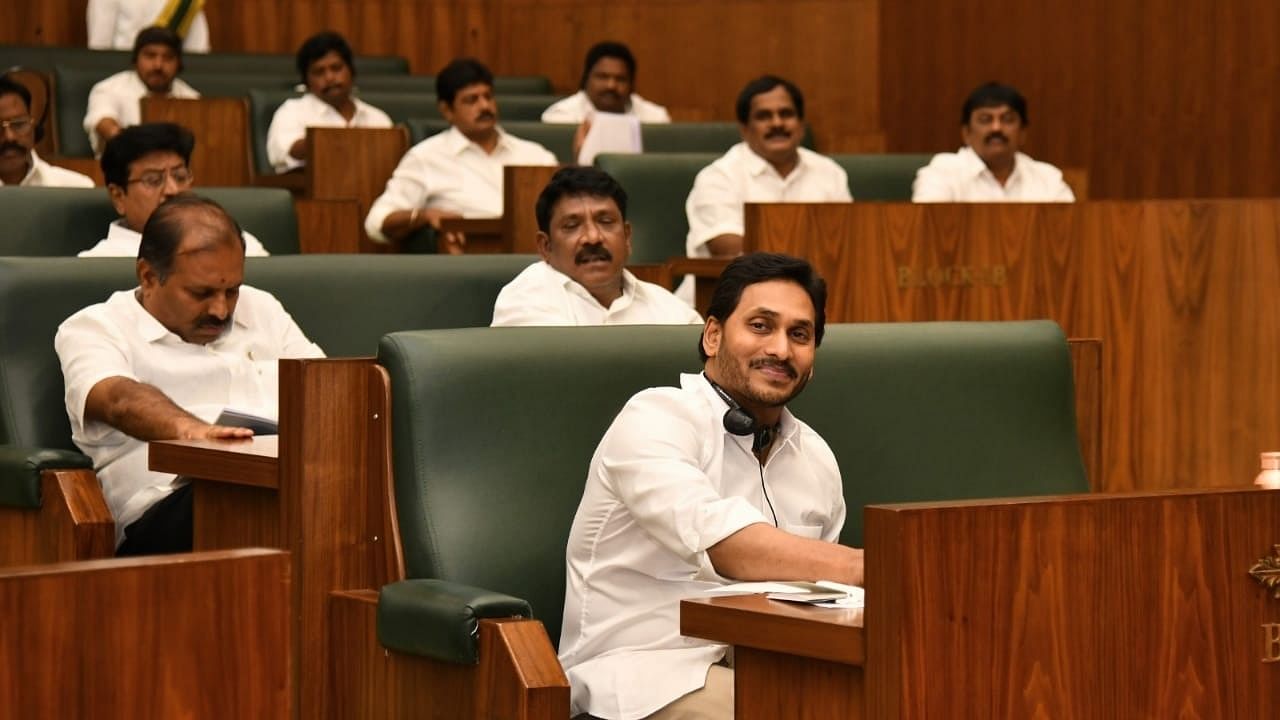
point(147, 276)
point(446, 111)
point(712, 333)
point(116, 193)
point(543, 241)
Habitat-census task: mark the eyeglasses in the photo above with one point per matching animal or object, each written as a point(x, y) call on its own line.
point(18, 125)
point(154, 179)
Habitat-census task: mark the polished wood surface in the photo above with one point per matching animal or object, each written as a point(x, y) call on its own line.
point(252, 461)
point(483, 235)
point(202, 635)
point(72, 523)
point(329, 226)
point(1179, 292)
point(519, 676)
point(223, 156)
point(1086, 376)
point(353, 164)
point(1088, 606)
point(521, 186)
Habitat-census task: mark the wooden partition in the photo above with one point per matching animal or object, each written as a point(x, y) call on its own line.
point(521, 186)
point(200, 635)
point(222, 156)
point(1086, 606)
point(72, 523)
point(1181, 293)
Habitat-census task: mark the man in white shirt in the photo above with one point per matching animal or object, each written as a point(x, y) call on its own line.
point(767, 166)
point(456, 173)
point(328, 70)
point(19, 133)
point(698, 486)
point(585, 240)
point(989, 167)
point(116, 102)
point(144, 166)
point(162, 360)
point(113, 24)
point(608, 78)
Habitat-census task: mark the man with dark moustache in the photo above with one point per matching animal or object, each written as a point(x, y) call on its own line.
point(585, 240)
point(162, 360)
point(19, 133)
point(989, 167)
point(328, 70)
point(698, 486)
point(116, 102)
point(608, 84)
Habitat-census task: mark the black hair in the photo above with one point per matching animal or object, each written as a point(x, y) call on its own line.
point(9, 86)
point(762, 85)
point(577, 181)
point(138, 140)
point(319, 45)
point(157, 35)
point(163, 233)
point(459, 74)
point(994, 94)
point(762, 267)
point(608, 49)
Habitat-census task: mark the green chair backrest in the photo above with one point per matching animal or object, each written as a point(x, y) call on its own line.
point(344, 303)
point(556, 138)
point(696, 137)
point(494, 429)
point(64, 221)
point(503, 85)
point(881, 177)
point(45, 57)
point(657, 186)
point(71, 86)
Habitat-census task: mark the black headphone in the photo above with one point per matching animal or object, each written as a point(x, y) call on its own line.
point(739, 421)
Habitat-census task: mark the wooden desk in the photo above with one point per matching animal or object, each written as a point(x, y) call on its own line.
point(790, 660)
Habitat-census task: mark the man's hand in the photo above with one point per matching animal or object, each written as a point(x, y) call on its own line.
point(580, 137)
point(449, 243)
point(107, 128)
point(204, 431)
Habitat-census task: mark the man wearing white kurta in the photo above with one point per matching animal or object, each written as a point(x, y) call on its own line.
point(608, 81)
point(697, 486)
point(990, 167)
point(113, 24)
point(19, 133)
point(116, 102)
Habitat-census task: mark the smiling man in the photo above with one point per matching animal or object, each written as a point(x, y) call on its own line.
point(697, 486)
point(455, 173)
point(328, 70)
point(162, 360)
point(115, 103)
point(584, 240)
point(990, 167)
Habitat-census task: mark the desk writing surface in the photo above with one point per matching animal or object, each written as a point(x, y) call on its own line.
point(755, 621)
point(252, 461)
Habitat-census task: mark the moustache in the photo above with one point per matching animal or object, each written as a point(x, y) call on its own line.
point(486, 115)
point(783, 366)
point(996, 136)
point(7, 146)
point(592, 252)
point(777, 132)
point(209, 322)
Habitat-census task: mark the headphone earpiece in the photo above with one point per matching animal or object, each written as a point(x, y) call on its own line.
point(739, 421)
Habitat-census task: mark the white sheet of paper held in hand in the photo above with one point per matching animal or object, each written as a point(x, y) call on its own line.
point(610, 133)
point(823, 593)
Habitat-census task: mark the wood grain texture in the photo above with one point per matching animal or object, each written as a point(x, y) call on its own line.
point(1179, 292)
point(778, 686)
point(754, 621)
point(1086, 376)
point(1085, 606)
point(353, 164)
point(521, 186)
point(72, 523)
point(202, 635)
point(329, 226)
point(252, 461)
point(222, 156)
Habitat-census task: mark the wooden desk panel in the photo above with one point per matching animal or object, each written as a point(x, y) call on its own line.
point(1181, 293)
point(252, 461)
point(222, 156)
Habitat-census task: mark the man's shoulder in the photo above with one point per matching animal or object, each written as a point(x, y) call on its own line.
point(54, 176)
point(110, 315)
point(528, 148)
point(818, 161)
point(1040, 168)
point(664, 303)
point(568, 110)
point(117, 81)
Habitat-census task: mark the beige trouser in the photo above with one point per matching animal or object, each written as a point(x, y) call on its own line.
point(714, 701)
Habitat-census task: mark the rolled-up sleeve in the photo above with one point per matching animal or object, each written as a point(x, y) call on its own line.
point(89, 351)
point(405, 190)
point(714, 208)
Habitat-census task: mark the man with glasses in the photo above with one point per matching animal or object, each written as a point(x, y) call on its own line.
point(143, 166)
point(19, 164)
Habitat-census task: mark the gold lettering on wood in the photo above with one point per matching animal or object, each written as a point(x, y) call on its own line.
point(962, 276)
point(1271, 642)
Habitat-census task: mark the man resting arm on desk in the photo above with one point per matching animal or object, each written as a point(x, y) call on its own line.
point(160, 361)
point(697, 486)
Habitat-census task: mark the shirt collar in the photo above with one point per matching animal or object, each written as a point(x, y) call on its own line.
point(790, 426)
point(457, 143)
point(152, 330)
point(757, 166)
point(573, 286)
point(975, 166)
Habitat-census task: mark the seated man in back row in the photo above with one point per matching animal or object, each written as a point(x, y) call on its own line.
point(695, 487)
point(19, 133)
point(162, 360)
point(584, 240)
point(116, 102)
point(989, 167)
point(456, 173)
point(144, 166)
point(328, 70)
point(608, 78)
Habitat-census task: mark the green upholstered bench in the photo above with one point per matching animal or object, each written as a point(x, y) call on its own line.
point(657, 186)
point(345, 303)
point(493, 431)
point(881, 176)
point(60, 222)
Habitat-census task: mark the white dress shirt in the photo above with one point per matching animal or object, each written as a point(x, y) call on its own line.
point(577, 107)
point(120, 338)
point(120, 97)
point(963, 177)
point(123, 242)
point(450, 172)
point(542, 295)
point(42, 174)
point(295, 115)
point(115, 24)
point(666, 483)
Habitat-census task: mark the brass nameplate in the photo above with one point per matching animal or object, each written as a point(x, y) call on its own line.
point(1267, 572)
point(952, 276)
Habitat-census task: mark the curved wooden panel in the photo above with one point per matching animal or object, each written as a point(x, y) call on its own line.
point(72, 523)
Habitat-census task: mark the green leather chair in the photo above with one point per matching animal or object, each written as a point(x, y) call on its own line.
point(556, 138)
point(64, 221)
point(494, 429)
point(657, 186)
point(881, 177)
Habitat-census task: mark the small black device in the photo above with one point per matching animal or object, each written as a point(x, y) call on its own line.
point(739, 421)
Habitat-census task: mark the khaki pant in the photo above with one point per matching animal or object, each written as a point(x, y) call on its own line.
point(714, 701)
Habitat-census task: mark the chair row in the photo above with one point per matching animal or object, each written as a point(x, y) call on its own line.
point(46, 57)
